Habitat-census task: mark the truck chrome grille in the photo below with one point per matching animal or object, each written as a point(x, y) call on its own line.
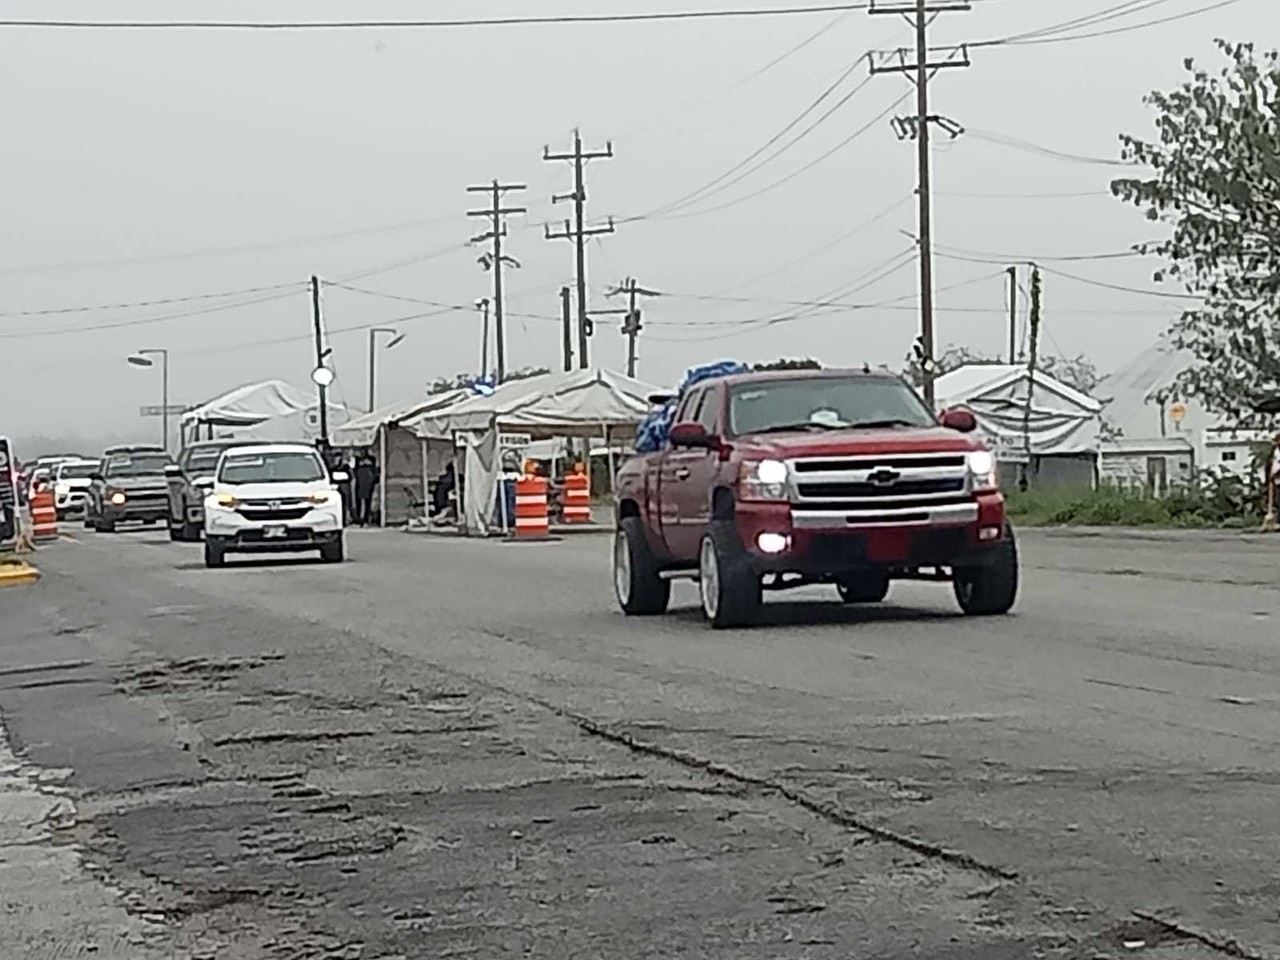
point(886, 489)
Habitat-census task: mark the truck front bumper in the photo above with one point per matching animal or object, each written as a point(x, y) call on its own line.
point(829, 544)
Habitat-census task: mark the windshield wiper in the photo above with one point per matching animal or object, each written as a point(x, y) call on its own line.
point(882, 424)
point(797, 427)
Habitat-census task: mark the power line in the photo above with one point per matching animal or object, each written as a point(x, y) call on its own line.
point(1119, 287)
point(980, 256)
point(1124, 9)
point(1028, 146)
point(1090, 35)
point(738, 12)
point(429, 303)
point(54, 311)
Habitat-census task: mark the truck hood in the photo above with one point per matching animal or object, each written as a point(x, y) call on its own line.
point(274, 491)
point(75, 483)
point(786, 446)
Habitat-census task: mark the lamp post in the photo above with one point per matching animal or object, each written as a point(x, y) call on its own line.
point(142, 358)
point(396, 337)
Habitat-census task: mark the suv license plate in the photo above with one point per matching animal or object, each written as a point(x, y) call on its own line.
point(276, 532)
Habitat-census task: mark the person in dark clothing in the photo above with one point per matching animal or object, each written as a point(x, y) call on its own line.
point(366, 480)
point(445, 485)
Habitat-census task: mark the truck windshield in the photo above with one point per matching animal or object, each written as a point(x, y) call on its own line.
point(825, 403)
point(201, 460)
point(284, 467)
point(137, 465)
point(77, 471)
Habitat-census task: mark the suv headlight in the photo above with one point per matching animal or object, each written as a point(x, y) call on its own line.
point(982, 471)
point(320, 498)
point(763, 480)
point(224, 500)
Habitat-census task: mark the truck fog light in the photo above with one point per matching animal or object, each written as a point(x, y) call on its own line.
point(989, 533)
point(772, 542)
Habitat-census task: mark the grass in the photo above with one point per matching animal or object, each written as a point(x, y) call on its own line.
point(1113, 507)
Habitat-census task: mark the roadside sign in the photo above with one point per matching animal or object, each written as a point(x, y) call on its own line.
point(159, 411)
point(514, 441)
point(1009, 449)
point(8, 494)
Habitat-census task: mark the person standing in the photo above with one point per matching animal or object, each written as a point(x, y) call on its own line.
point(366, 480)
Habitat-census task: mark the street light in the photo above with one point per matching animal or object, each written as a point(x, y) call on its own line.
point(322, 376)
point(396, 337)
point(143, 359)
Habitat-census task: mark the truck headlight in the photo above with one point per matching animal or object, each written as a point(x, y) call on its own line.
point(62, 489)
point(118, 498)
point(982, 471)
point(763, 480)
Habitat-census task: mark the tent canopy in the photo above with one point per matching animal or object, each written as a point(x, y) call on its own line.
point(363, 431)
point(250, 404)
point(1063, 420)
point(577, 403)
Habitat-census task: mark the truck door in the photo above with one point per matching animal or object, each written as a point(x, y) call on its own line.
point(691, 472)
point(673, 472)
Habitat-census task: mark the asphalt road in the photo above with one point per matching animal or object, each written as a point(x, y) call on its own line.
point(447, 748)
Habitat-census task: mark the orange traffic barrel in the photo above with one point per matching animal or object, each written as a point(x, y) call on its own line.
point(44, 516)
point(531, 507)
point(577, 498)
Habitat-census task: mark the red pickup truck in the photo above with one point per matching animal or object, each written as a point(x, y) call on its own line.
point(783, 479)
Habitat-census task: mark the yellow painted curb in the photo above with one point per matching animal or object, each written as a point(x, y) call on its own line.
point(16, 573)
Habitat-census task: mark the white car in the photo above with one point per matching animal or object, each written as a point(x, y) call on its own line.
point(71, 482)
point(273, 498)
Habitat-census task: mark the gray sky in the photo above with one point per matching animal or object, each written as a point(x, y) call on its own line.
point(140, 166)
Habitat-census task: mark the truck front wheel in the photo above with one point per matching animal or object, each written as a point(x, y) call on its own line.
point(992, 589)
point(729, 588)
point(640, 590)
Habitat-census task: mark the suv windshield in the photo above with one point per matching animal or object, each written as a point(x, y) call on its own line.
point(284, 467)
point(825, 403)
point(202, 459)
point(76, 471)
point(136, 465)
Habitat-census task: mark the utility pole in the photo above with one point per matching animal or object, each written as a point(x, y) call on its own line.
point(631, 324)
point(920, 14)
point(321, 375)
point(1032, 356)
point(496, 260)
point(483, 306)
point(579, 232)
point(566, 318)
point(1013, 314)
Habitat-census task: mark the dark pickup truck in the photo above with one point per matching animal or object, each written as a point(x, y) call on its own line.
point(776, 480)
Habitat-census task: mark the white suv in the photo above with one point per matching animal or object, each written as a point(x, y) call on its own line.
point(273, 498)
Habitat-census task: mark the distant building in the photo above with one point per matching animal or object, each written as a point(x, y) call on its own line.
point(1155, 429)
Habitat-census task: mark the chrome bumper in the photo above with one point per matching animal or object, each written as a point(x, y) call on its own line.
point(924, 515)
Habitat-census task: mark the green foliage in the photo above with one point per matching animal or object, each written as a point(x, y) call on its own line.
point(784, 364)
point(1216, 183)
point(1217, 500)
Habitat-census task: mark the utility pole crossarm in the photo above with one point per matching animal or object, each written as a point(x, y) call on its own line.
point(903, 60)
point(911, 7)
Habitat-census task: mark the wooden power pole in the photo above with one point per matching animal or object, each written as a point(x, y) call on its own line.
point(631, 325)
point(578, 231)
point(1033, 350)
point(921, 65)
point(1013, 314)
point(495, 260)
point(566, 320)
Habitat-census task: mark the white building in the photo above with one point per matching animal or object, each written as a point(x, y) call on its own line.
point(1154, 422)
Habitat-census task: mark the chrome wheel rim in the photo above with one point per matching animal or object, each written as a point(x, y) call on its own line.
point(621, 569)
point(709, 579)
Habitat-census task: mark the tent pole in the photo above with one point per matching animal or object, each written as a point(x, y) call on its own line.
point(382, 476)
point(608, 452)
point(426, 482)
point(462, 498)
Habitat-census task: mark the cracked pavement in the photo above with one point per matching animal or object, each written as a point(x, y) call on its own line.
point(457, 749)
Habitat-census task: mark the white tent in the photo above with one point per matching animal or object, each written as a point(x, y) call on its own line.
point(250, 404)
point(363, 431)
point(1063, 430)
point(582, 403)
point(296, 426)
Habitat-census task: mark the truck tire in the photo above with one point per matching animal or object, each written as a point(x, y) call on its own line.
point(214, 555)
point(175, 531)
point(865, 588)
point(190, 532)
point(989, 590)
point(641, 592)
point(730, 590)
point(333, 552)
point(104, 526)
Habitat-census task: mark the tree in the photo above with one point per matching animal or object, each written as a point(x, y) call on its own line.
point(784, 364)
point(1216, 183)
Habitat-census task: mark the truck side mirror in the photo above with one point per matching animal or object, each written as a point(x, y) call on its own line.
point(959, 419)
point(96, 477)
point(691, 435)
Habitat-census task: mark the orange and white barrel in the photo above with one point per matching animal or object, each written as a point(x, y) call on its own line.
point(44, 516)
point(531, 507)
point(577, 498)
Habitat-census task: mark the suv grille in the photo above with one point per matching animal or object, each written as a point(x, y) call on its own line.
point(274, 511)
